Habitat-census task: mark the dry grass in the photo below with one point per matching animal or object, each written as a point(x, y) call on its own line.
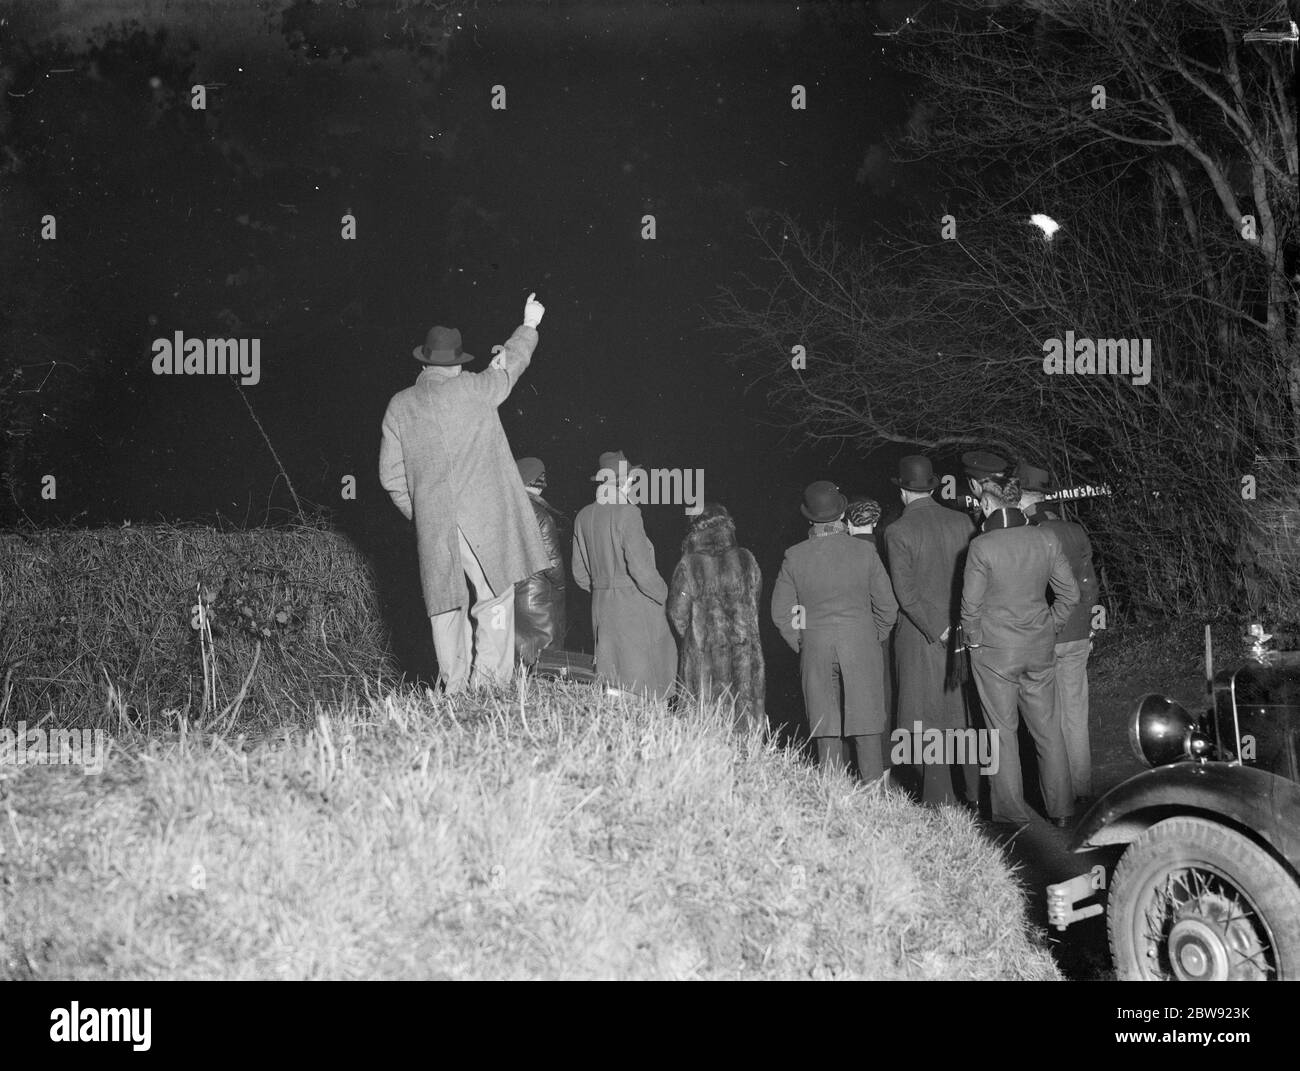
point(95, 625)
point(546, 833)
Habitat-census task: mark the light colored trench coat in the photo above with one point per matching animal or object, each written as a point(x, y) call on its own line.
point(446, 463)
point(615, 560)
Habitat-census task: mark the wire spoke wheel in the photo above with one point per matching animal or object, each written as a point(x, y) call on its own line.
point(1193, 900)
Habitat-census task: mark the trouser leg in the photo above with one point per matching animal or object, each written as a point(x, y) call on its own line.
point(830, 753)
point(451, 642)
point(1072, 710)
point(1038, 696)
point(867, 751)
point(494, 622)
point(997, 681)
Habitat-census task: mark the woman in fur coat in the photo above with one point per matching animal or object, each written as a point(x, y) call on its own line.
point(713, 605)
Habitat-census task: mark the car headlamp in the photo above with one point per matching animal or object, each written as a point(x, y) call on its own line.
point(1163, 731)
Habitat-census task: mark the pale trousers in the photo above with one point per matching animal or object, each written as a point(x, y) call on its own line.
point(1072, 710)
point(1012, 681)
point(484, 652)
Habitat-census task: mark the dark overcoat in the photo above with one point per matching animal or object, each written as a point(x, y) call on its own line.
point(927, 548)
point(445, 462)
point(833, 605)
point(615, 560)
point(713, 605)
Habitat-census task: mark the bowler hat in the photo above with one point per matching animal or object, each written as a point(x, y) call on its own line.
point(980, 464)
point(441, 347)
point(1032, 478)
point(530, 468)
point(823, 502)
point(610, 462)
point(916, 473)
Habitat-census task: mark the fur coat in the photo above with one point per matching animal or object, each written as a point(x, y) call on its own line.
point(713, 605)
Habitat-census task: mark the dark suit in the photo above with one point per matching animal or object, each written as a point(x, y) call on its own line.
point(847, 608)
point(1013, 635)
point(927, 545)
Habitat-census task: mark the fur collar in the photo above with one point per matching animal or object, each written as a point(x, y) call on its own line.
point(713, 539)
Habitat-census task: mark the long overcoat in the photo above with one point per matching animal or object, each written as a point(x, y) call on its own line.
point(927, 550)
point(833, 604)
point(445, 462)
point(615, 560)
point(713, 605)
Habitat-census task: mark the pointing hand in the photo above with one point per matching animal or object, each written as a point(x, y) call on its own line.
point(534, 310)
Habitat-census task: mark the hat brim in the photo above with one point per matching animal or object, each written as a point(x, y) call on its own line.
point(934, 482)
point(844, 504)
point(631, 468)
point(464, 358)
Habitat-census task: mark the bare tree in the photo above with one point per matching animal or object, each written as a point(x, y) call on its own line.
point(1164, 144)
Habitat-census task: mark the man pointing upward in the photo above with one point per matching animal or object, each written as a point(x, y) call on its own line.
point(446, 464)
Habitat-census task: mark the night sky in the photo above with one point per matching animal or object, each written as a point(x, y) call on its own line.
point(226, 222)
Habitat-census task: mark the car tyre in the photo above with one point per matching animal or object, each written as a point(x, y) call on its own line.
point(1192, 899)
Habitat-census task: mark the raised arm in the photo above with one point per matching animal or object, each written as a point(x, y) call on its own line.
point(509, 364)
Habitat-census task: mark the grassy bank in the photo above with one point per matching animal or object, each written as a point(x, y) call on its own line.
point(96, 625)
point(542, 833)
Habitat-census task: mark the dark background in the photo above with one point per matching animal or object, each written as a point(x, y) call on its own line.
point(226, 223)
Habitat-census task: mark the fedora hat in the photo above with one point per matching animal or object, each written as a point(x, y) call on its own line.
point(916, 473)
point(442, 347)
point(1032, 478)
point(980, 464)
point(530, 468)
point(823, 502)
point(610, 461)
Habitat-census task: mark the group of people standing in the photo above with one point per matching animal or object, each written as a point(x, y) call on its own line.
point(935, 590)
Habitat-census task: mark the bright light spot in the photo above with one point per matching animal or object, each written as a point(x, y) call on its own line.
point(1046, 224)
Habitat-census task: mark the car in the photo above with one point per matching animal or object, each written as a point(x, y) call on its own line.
point(1208, 884)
